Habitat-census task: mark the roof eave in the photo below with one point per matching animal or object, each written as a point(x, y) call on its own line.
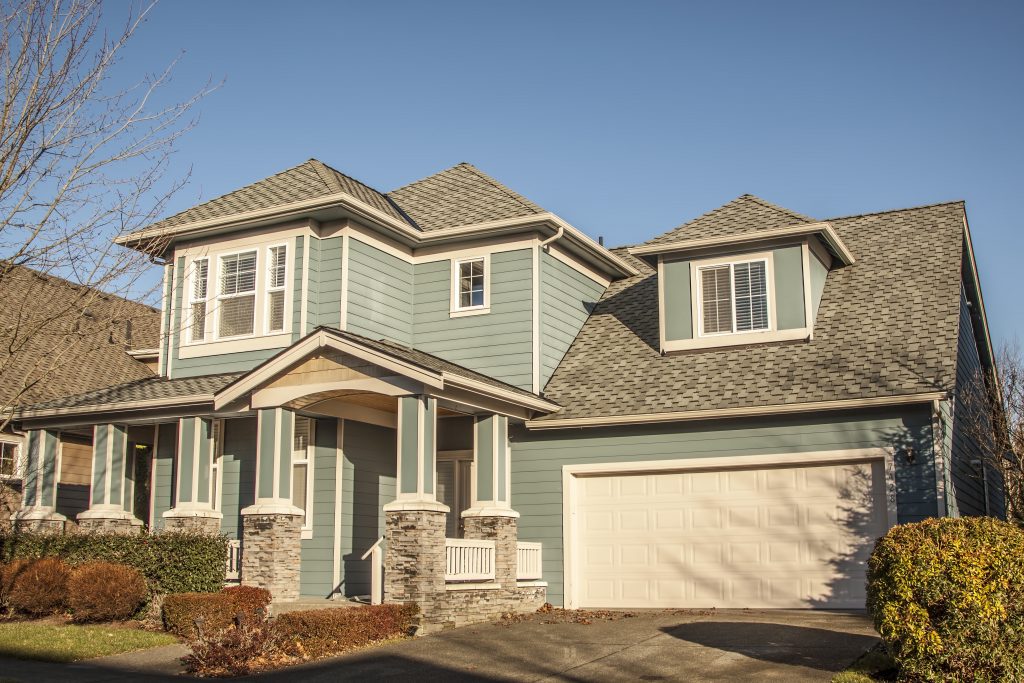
point(824, 230)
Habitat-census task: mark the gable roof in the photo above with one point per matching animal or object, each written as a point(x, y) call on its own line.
point(886, 326)
point(80, 340)
point(743, 215)
point(460, 195)
point(311, 179)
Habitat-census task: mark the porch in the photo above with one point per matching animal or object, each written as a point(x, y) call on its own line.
point(335, 471)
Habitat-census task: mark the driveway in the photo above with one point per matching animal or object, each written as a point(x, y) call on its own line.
point(683, 645)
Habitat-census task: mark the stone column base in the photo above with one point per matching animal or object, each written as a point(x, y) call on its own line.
point(197, 521)
point(108, 521)
point(39, 519)
point(271, 551)
point(504, 531)
point(414, 559)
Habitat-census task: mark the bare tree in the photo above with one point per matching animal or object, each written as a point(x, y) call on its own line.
point(990, 415)
point(81, 162)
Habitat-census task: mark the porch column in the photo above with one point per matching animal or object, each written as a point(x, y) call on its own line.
point(490, 516)
point(272, 527)
point(414, 560)
point(193, 507)
point(110, 460)
point(39, 499)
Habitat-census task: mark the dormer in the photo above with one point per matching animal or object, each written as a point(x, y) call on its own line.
point(750, 284)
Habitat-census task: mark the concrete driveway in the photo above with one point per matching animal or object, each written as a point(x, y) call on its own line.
point(664, 645)
point(685, 645)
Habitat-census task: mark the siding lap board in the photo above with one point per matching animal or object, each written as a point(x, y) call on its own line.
point(380, 302)
point(567, 297)
point(317, 564)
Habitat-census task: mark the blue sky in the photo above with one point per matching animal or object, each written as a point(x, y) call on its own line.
point(624, 118)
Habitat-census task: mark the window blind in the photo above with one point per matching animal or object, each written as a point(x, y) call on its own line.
point(716, 300)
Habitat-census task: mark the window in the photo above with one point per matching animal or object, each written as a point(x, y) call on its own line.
point(237, 298)
point(277, 266)
point(302, 471)
point(8, 459)
point(200, 286)
point(469, 292)
point(734, 298)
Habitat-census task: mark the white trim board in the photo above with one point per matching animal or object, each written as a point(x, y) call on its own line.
point(572, 473)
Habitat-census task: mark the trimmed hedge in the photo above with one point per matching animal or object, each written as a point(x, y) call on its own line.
point(104, 591)
point(947, 596)
point(216, 610)
point(171, 561)
point(321, 633)
point(40, 586)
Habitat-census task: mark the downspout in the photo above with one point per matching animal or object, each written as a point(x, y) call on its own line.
point(554, 238)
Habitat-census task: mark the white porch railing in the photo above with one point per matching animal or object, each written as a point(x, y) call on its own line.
point(376, 555)
point(528, 556)
point(234, 562)
point(468, 560)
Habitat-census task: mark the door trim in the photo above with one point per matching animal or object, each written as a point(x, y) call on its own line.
point(572, 473)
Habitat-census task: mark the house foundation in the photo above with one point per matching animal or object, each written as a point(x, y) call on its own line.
point(272, 553)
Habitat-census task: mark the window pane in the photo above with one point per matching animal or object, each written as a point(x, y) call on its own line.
point(275, 311)
point(277, 266)
point(716, 300)
point(8, 455)
point(238, 273)
point(478, 296)
point(299, 486)
point(300, 440)
point(198, 328)
point(751, 296)
point(200, 284)
point(236, 316)
point(471, 283)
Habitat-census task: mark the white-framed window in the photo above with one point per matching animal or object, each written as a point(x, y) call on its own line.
point(277, 272)
point(302, 471)
point(200, 292)
point(471, 285)
point(733, 298)
point(216, 471)
point(9, 465)
point(236, 295)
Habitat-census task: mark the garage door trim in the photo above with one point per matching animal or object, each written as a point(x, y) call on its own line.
point(572, 473)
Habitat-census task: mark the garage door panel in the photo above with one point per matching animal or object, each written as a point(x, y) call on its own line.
point(779, 537)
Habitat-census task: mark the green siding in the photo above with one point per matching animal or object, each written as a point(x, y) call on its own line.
point(328, 304)
point(225, 362)
point(317, 568)
point(99, 464)
point(819, 273)
point(408, 414)
point(284, 465)
point(368, 483)
point(297, 292)
point(186, 459)
point(205, 436)
point(567, 297)
point(485, 458)
point(33, 450)
point(165, 319)
point(498, 343)
point(789, 287)
point(163, 473)
point(48, 453)
point(238, 473)
point(174, 331)
point(678, 301)
point(380, 294)
point(267, 428)
point(118, 458)
point(538, 457)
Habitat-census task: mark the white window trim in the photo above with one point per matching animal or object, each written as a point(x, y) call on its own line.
point(190, 283)
point(286, 317)
point(696, 287)
point(216, 469)
point(19, 465)
point(307, 520)
point(258, 301)
point(456, 311)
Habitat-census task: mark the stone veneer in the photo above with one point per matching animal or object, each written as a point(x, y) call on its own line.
point(415, 567)
point(45, 526)
point(107, 525)
point(271, 553)
point(202, 525)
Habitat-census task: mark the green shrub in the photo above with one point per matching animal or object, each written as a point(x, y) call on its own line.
point(947, 596)
point(215, 611)
point(322, 633)
point(171, 561)
point(41, 587)
point(104, 591)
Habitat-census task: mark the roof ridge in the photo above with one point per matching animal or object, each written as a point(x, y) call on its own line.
point(77, 285)
point(325, 173)
point(777, 207)
point(420, 180)
point(906, 208)
point(512, 194)
point(336, 186)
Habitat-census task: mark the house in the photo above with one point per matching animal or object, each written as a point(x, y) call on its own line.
point(58, 338)
point(726, 415)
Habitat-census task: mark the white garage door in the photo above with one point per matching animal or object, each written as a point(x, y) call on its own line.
point(778, 537)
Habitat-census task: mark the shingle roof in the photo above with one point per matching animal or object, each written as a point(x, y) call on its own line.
point(886, 326)
point(59, 338)
point(743, 215)
point(308, 180)
point(460, 195)
point(149, 389)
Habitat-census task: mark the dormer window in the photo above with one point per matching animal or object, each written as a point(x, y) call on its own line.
point(733, 297)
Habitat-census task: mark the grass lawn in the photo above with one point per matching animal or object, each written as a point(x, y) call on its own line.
point(873, 665)
point(69, 643)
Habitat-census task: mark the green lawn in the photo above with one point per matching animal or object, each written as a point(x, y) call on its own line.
point(68, 643)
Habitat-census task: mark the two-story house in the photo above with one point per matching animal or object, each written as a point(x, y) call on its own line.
point(727, 415)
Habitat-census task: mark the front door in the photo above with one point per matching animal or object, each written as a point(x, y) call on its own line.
point(453, 479)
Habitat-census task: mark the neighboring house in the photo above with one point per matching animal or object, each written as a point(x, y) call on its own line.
point(726, 415)
point(59, 339)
